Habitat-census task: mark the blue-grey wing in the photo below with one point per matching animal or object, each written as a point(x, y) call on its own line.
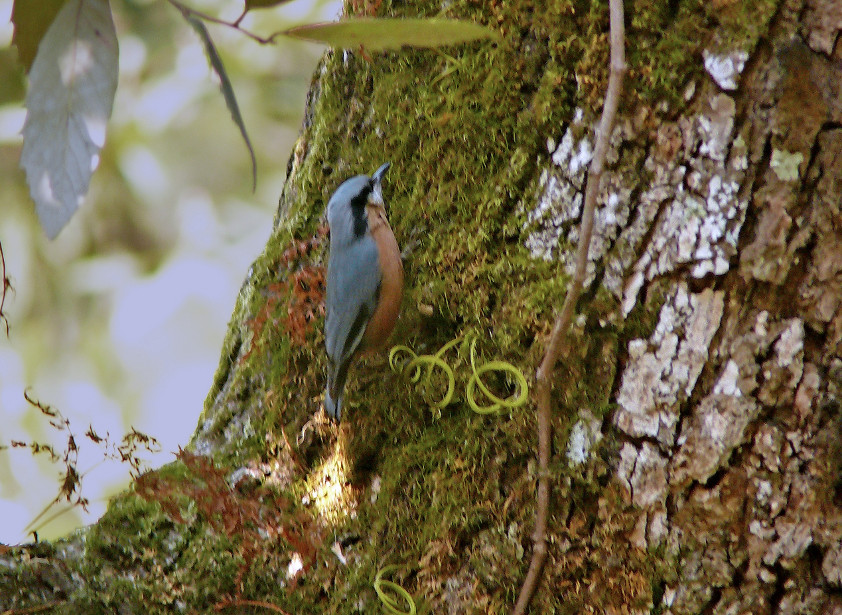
point(353, 281)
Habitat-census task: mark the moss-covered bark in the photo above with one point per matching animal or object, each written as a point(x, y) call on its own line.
point(696, 427)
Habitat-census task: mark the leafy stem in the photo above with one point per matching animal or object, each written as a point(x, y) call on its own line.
point(191, 12)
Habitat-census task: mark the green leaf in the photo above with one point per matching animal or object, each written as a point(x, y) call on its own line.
point(226, 87)
point(31, 20)
point(263, 4)
point(71, 93)
point(376, 34)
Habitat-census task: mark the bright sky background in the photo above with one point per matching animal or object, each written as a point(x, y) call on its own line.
point(157, 330)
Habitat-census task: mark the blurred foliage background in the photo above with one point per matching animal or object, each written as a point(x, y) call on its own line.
point(119, 321)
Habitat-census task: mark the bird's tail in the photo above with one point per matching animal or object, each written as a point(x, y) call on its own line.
point(333, 407)
point(336, 376)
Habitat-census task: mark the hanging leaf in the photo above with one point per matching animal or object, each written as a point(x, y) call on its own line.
point(226, 87)
point(263, 4)
point(71, 92)
point(376, 34)
point(31, 20)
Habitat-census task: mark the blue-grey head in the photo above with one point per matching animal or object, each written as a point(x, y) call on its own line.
point(346, 208)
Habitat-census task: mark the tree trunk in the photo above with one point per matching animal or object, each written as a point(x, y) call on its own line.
point(696, 432)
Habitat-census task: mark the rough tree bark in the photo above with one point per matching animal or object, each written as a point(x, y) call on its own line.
point(697, 446)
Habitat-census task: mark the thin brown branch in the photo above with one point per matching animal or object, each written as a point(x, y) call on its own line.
point(187, 11)
point(4, 286)
point(562, 324)
point(240, 602)
point(33, 609)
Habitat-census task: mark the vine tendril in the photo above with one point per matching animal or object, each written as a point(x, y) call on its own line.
point(419, 369)
point(392, 604)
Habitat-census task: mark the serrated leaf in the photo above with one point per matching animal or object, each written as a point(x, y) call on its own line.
point(71, 93)
point(225, 86)
point(376, 34)
point(31, 20)
point(263, 4)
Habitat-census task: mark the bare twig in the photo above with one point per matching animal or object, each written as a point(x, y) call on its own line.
point(33, 609)
point(224, 604)
point(4, 286)
point(562, 324)
point(187, 11)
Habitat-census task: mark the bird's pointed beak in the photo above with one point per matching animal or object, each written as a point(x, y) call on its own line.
point(377, 192)
point(379, 173)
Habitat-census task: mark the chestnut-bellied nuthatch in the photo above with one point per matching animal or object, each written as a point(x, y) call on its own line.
point(364, 279)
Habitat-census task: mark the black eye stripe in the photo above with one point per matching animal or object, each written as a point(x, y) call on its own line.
point(358, 204)
point(360, 200)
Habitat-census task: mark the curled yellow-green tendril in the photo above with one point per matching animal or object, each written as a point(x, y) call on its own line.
point(392, 604)
point(428, 360)
point(497, 404)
